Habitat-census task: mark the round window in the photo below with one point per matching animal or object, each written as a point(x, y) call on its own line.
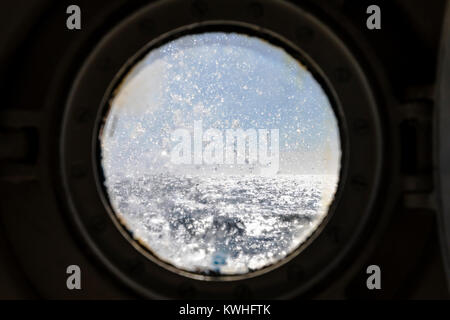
point(221, 153)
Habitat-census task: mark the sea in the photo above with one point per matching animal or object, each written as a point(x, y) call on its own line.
point(221, 224)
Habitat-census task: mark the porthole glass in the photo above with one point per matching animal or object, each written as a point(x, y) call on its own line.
point(221, 153)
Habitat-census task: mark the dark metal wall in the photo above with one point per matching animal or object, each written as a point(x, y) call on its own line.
point(39, 58)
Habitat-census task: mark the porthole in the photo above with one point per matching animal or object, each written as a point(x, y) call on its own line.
point(100, 110)
point(220, 152)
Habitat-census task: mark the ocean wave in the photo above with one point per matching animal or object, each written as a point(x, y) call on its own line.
point(222, 224)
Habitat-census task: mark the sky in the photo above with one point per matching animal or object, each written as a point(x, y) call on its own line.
point(226, 80)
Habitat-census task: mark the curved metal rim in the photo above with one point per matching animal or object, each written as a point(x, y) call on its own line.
point(358, 122)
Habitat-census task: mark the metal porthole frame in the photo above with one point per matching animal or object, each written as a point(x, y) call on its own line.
point(341, 76)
